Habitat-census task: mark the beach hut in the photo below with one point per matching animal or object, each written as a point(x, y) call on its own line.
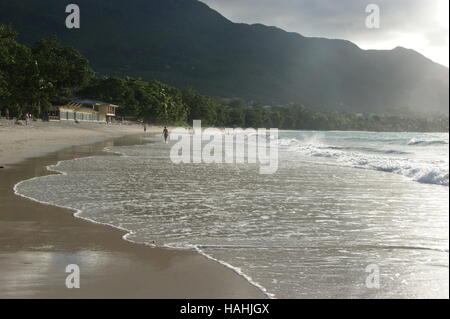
point(106, 111)
point(84, 111)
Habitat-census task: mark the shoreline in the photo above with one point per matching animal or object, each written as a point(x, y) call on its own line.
point(36, 249)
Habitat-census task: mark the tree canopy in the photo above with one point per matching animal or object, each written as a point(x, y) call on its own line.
point(33, 78)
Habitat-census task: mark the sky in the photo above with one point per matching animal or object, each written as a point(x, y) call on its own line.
point(421, 25)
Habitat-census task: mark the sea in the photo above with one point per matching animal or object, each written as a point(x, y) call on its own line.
point(346, 215)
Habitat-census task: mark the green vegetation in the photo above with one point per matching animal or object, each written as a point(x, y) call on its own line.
point(185, 43)
point(33, 78)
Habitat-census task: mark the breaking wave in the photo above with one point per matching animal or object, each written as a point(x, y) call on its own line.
point(396, 161)
point(415, 141)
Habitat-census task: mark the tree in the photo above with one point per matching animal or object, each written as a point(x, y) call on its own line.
point(201, 107)
point(122, 92)
point(18, 74)
point(236, 116)
point(276, 119)
point(168, 104)
point(253, 117)
point(60, 69)
point(153, 102)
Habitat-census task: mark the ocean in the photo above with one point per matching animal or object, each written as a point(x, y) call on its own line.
point(342, 208)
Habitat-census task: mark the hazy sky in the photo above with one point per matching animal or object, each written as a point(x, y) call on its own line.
point(421, 25)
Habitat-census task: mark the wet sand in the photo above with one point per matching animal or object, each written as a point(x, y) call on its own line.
point(38, 241)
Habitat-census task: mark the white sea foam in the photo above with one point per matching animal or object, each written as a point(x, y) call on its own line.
point(377, 157)
point(128, 232)
point(426, 142)
point(307, 231)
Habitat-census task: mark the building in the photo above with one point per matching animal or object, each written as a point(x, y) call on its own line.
point(84, 111)
point(106, 111)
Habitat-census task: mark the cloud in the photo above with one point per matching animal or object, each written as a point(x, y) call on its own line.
point(415, 24)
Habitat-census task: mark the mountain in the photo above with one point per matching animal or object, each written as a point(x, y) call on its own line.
point(185, 43)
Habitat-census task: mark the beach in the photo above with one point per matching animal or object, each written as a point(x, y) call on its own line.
point(339, 204)
point(18, 142)
point(38, 241)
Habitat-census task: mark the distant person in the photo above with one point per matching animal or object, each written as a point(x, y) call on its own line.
point(145, 128)
point(7, 113)
point(166, 134)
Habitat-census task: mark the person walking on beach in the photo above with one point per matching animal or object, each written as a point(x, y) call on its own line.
point(166, 134)
point(7, 113)
point(145, 127)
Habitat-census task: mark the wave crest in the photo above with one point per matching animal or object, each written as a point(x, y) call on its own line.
point(428, 172)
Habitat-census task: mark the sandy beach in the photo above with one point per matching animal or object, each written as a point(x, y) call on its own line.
point(18, 142)
point(38, 241)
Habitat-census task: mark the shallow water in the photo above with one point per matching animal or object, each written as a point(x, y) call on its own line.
point(339, 202)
